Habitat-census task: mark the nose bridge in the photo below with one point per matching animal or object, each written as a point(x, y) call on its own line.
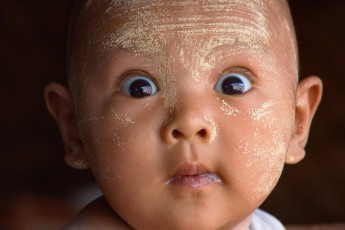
point(190, 117)
point(191, 100)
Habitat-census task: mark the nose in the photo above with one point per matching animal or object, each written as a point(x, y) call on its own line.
point(189, 122)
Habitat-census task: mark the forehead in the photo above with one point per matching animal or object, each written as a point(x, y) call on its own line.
point(118, 22)
point(185, 11)
point(193, 27)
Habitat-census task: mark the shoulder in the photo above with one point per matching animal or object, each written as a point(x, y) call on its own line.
point(97, 215)
point(263, 221)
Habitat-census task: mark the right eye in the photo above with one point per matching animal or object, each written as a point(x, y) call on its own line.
point(139, 87)
point(233, 84)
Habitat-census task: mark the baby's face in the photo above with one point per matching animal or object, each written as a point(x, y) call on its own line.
point(185, 108)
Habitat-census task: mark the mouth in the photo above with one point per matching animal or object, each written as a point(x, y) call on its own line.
point(193, 176)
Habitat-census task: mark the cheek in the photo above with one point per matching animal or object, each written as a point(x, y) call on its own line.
point(270, 136)
point(121, 153)
point(119, 148)
point(264, 156)
point(261, 138)
point(107, 143)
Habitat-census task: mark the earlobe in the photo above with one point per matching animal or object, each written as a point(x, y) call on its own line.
point(308, 97)
point(60, 106)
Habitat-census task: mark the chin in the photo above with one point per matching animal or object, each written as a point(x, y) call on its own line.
point(191, 221)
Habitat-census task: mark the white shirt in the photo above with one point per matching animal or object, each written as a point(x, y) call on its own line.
point(263, 221)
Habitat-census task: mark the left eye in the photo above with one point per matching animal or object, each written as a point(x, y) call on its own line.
point(139, 87)
point(233, 84)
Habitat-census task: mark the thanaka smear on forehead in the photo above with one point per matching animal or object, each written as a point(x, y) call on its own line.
point(203, 34)
point(140, 26)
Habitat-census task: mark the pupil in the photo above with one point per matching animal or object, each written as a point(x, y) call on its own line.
point(140, 88)
point(233, 85)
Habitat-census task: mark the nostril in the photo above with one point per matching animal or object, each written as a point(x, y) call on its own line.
point(176, 134)
point(202, 133)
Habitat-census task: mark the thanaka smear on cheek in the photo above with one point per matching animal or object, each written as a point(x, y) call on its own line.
point(90, 119)
point(271, 134)
point(96, 126)
point(102, 132)
point(273, 156)
point(261, 113)
point(267, 160)
point(227, 109)
point(269, 116)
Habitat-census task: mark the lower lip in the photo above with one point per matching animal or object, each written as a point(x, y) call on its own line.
point(195, 181)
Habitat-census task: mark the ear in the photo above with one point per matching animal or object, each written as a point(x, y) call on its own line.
point(60, 106)
point(308, 97)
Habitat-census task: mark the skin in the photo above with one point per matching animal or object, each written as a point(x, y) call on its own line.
point(135, 147)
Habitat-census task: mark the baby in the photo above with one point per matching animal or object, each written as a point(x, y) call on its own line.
point(185, 111)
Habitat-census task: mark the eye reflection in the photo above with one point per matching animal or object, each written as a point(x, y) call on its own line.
point(139, 87)
point(233, 84)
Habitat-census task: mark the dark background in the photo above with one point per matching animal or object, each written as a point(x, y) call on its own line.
point(32, 35)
